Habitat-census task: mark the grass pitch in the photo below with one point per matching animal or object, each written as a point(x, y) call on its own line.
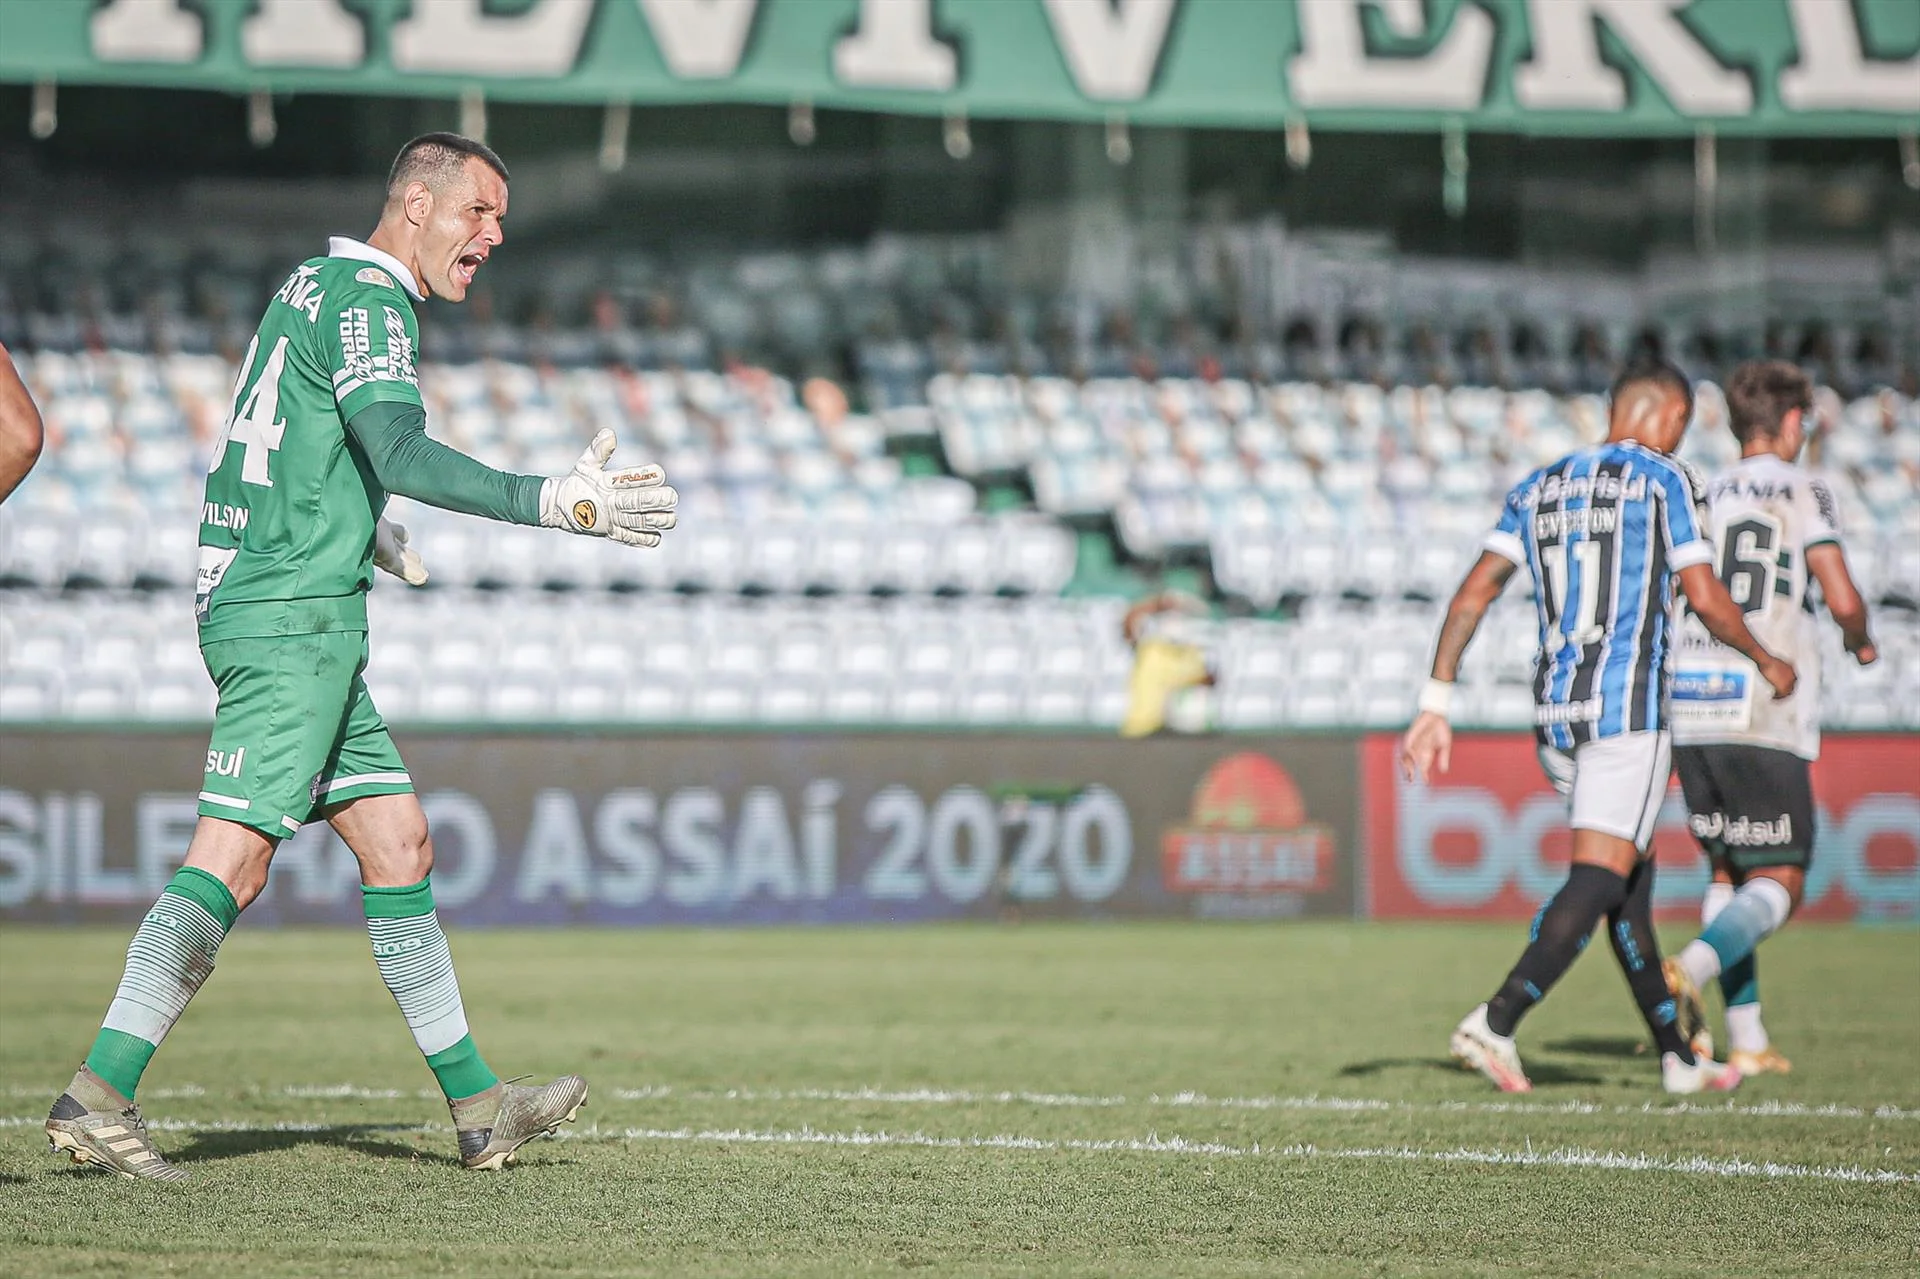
point(1090, 1100)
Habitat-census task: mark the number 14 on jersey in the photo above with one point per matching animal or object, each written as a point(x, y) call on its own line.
point(256, 421)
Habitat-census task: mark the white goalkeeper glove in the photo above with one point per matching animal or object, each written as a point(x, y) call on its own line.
point(632, 506)
point(392, 554)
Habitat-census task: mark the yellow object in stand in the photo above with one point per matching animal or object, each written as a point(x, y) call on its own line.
point(1161, 668)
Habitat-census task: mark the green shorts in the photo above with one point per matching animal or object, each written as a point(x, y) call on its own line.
point(295, 731)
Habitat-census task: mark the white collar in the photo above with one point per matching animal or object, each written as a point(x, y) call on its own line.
point(345, 246)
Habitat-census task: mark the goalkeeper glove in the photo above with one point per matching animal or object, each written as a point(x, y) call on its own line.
point(392, 554)
point(632, 506)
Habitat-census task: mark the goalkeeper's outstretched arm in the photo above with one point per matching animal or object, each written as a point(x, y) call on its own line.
point(632, 506)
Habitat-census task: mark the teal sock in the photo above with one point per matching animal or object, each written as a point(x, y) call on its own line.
point(411, 953)
point(171, 957)
point(1754, 914)
point(1740, 982)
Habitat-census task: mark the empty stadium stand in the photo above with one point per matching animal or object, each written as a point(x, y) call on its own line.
point(841, 568)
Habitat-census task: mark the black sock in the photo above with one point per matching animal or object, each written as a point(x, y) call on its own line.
point(1630, 928)
point(1560, 933)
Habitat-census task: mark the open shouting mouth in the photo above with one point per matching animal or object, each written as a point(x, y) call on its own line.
point(468, 264)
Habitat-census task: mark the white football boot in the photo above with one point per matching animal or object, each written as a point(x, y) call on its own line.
point(1475, 1046)
point(1705, 1075)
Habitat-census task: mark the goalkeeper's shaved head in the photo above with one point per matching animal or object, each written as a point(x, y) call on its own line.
point(446, 197)
point(438, 159)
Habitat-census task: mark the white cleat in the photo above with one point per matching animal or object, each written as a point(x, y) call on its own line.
point(1705, 1075)
point(1475, 1046)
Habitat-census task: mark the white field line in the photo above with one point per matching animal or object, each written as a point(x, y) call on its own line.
point(1153, 1144)
point(1570, 1157)
point(1312, 1102)
point(1179, 1100)
point(162, 1094)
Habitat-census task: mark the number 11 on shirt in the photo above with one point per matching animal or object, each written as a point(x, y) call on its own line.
point(1558, 565)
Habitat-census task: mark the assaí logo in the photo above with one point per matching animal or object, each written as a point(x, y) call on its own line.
point(1248, 833)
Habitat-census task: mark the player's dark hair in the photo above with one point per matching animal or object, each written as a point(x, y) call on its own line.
point(1651, 370)
point(433, 157)
point(1761, 393)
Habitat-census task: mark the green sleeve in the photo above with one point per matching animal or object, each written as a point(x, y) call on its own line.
point(406, 461)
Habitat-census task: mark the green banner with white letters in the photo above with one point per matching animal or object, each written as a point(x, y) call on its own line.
point(1593, 67)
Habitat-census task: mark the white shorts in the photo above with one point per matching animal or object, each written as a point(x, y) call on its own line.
point(1617, 784)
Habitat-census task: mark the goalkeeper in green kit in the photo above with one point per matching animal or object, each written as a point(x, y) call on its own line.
point(327, 421)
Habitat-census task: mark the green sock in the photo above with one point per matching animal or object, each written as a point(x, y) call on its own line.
point(171, 956)
point(414, 961)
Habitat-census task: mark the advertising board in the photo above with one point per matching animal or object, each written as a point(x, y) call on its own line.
point(1489, 840)
point(744, 828)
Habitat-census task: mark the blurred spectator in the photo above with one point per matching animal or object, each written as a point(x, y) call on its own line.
point(1172, 674)
point(1592, 361)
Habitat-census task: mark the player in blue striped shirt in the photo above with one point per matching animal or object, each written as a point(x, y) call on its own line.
point(1604, 533)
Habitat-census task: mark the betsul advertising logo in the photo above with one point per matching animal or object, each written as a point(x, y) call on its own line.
point(1248, 833)
point(1489, 840)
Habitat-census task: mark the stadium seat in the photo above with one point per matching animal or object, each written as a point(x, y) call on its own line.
point(861, 700)
point(1055, 702)
point(1308, 494)
point(448, 699)
point(990, 700)
point(31, 696)
point(98, 695)
point(176, 699)
point(923, 700)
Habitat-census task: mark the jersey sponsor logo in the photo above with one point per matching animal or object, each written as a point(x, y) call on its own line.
point(1743, 832)
point(214, 563)
point(359, 364)
point(1713, 697)
point(399, 360)
point(302, 293)
point(224, 515)
point(1585, 712)
point(1709, 686)
point(1248, 833)
point(222, 764)
point(374, 275)
point(1605, 487)
point(356, 347)
point(1823, 499)
point(585, 514)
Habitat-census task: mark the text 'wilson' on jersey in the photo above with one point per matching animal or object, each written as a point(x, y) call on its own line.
point(1603, 531)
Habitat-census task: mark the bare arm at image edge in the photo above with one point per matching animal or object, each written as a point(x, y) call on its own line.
point(21, 435)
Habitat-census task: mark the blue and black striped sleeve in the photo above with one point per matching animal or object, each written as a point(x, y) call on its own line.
point(1683, 505)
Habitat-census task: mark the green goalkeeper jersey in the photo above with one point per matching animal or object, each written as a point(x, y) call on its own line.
point(287, 527)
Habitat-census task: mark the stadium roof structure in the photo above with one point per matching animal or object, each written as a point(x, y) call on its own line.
point(1541, 67)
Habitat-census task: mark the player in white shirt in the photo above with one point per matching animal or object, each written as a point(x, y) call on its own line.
point(1744, 758)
